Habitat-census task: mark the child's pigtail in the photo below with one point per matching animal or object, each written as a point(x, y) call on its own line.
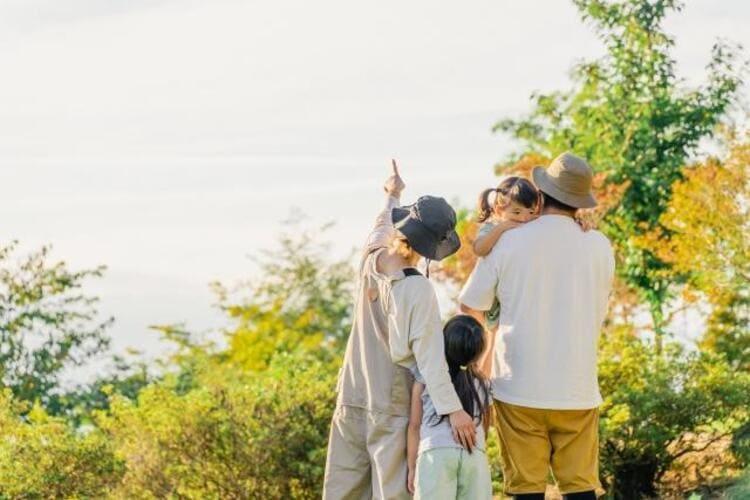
point(485, 209)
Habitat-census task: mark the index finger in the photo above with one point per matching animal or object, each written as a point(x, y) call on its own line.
point(395, 166)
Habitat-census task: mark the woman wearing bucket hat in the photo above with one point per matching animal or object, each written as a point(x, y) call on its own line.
point(553, 280)
point(396, 330)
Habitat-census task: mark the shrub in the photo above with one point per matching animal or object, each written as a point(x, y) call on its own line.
point(261, 433)
point(660, 408)
point(42, 457)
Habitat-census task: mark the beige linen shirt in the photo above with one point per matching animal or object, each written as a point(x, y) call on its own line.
point(396, 327)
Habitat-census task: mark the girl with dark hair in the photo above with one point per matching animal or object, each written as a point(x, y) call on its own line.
point(439, 467)
point(516, 201)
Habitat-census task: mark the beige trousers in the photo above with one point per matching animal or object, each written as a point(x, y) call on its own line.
point(366, 456)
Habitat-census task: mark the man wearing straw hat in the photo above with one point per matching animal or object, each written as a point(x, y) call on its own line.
point(553, 281)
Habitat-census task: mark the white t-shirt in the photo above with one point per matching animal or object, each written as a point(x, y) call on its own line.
point(553, 282)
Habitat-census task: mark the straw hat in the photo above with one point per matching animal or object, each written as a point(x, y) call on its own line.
point(568, 179)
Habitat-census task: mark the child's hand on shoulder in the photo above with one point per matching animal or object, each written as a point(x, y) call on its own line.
point(586, 222)
point(507, 225)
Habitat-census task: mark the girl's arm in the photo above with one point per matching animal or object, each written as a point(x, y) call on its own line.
point(412, 437)
point(485, 241)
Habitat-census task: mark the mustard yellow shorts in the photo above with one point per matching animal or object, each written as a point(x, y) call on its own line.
point(534, 440)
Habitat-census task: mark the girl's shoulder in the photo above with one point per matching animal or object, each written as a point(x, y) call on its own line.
point(486, 226)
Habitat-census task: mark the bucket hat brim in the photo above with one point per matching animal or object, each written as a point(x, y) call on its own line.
point(547, 185)
point(421, 239)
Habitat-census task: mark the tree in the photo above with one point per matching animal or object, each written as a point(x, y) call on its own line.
point(708, 218)
point(126, 379)
point(630, 116)
point(302, 301)
point(235, 435)
point(47, 324)
point(660, 408)
point(41, 456)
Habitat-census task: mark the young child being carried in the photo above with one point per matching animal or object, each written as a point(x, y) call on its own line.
point(516, 201)
point(439, 467)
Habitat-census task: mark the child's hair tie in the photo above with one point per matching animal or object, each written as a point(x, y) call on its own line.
point(463, 367)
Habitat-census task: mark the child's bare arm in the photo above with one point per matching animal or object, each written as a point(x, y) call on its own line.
point(412, 437)
point(484, 243)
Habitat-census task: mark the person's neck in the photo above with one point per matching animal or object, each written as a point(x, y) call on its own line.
point(395, 262)
point(556, 211)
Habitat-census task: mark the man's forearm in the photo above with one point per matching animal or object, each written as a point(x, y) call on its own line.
point(485, 359)
point(474, 313)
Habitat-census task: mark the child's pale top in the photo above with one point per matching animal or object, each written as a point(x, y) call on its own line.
point(433, 432)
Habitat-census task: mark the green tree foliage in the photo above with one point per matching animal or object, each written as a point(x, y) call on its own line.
point(659, 408)
point(249, 417)
point(708, 218)
point(302, 301)
point(47, 324)
point(741, 490)
point(126, 379)
point(253, 434)
point(631, 116)
point(43, 457)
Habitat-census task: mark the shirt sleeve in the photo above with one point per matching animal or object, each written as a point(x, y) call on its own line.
point(383, 229)
point(420, 325)
point(480, 290)
point(485, 229)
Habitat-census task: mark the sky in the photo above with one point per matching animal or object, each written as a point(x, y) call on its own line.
point(168, 139)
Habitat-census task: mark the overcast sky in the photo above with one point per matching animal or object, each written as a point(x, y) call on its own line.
point(167, 139)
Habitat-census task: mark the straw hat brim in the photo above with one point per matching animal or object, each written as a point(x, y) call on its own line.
point(547, 185)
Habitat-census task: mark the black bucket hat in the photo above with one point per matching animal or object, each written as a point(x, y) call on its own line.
point(429, 226)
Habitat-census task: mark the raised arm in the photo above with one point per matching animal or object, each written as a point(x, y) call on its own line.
point(383, 229)
point(489, 234)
